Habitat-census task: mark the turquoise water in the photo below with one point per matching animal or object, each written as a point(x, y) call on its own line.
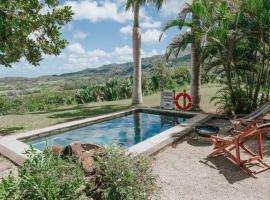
point(127, 131)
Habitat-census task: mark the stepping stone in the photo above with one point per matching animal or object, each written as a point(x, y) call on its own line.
point(5, 166)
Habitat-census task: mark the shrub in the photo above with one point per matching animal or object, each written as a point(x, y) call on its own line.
point(116, 175)
point(43, 176)
point(123, 176)
point(11, 105)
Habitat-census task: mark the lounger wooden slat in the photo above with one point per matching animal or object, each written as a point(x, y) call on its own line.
point(225, 146)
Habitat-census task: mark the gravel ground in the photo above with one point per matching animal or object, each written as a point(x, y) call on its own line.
point(185, 173)
point(6, 167)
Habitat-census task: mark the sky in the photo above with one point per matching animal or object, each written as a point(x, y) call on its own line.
point(101, 33)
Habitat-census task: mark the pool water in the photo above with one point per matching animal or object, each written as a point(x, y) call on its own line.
point(126, 130)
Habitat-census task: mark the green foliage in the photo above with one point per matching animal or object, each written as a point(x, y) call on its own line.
point(25, 31)
point(123, 176)
point(46, 101)
point(35, 102)
point(223, 101)
point(170, 77)
point(238, 50)
point(117, 175)
point(234, 49)
point(43, 176)
point(11, 105)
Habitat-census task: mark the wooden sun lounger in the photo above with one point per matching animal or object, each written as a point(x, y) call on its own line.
point(225, 146)
point(254, 117)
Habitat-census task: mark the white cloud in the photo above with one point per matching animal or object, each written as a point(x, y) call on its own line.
point(173, 7)
point(148, 24)
point(79, 35)
point(126, 29)
point(153, 52)
point(98, 11)
point(97, 53)
point(151, 36)
point(123, 54)
point(76, 48)
point(151, 24)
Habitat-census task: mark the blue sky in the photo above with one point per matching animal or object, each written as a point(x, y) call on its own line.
point(100, 33)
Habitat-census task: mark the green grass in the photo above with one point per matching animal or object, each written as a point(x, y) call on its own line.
point(17, 123)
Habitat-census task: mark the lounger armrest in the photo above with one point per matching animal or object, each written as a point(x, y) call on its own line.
point(222, 139)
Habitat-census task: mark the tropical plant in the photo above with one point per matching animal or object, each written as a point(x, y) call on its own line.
point(135, 5)
point(123, 176)
point(44, 176)
point(111, 91)
point(256, 16)
point(236, 50)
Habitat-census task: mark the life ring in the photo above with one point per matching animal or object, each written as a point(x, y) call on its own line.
point(186, 95)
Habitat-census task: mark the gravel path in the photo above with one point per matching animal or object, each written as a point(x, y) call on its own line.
point(185, 173)
point(6, 167)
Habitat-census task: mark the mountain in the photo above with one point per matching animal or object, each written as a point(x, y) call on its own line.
point(125, 69)
point(13, 85)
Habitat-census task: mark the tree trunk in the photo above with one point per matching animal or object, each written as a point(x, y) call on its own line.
point(195, 69)
point(261, 70)
point(137, 74)
point(137, 128)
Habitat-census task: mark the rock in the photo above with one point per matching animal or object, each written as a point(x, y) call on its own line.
point(88, 147)
point(56, 149)
point(74, 150)
point(87, 154)
point(87, 164)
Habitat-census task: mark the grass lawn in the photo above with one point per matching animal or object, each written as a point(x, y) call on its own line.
point(18, 123)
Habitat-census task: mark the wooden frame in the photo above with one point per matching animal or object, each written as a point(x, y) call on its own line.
point(225, 146)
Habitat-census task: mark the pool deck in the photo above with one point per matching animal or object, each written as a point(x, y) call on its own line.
point(185, 173)
point(15, 148)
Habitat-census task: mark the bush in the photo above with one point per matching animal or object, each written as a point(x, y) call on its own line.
point(43, 176)
point(116, 175)
point(45, 100)
point(123, 176)
point(11, 105)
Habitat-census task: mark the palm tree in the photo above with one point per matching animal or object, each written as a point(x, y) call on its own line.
point(193, 37)
point(135, 5)
point(195, 64)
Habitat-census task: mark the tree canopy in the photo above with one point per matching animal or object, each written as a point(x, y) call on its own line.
point(31, 28)
point(234, 44)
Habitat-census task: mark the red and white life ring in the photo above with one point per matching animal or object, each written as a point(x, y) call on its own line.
point(186, 95)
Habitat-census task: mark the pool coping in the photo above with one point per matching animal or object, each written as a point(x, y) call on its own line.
point(16, 148)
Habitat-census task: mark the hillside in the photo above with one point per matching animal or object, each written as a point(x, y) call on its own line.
point(68, 81)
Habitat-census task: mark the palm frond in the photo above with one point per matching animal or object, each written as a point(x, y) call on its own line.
point(182, 16)
point(179, 43)
point(173, 23)
point(131, 3)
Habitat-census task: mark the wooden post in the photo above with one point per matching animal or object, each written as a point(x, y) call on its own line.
point(174, 99)
point(185, 99)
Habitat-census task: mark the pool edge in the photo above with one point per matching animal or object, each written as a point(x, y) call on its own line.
point(147, 147)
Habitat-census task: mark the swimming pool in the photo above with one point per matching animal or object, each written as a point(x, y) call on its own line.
point(126, 130)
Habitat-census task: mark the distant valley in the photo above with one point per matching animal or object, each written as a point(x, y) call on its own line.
point(19, 85)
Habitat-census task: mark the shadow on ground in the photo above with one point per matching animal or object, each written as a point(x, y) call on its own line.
point(10, 130)
point(83, 112)
point(232, 173)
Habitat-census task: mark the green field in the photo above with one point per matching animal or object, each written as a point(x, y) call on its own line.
point(18, 123)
